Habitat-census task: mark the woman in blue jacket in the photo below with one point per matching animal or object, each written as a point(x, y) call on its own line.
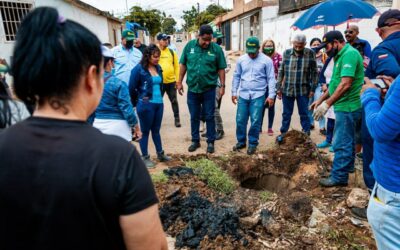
point(115, 114)
point(145, 85)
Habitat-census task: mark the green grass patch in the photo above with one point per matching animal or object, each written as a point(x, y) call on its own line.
point(159, 177)
point(266, 196)
point(213, 175)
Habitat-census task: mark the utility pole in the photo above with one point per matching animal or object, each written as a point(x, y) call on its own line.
point(198, 8)
point(127, 9)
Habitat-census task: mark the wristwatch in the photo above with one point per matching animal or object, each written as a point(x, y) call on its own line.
point(222, 85)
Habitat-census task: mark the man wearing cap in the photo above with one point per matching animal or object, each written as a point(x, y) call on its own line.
point(170, 66)
point(126, 56)
point(344, 94)
point(385, 60)
point(254, 74)
point(297, 81)
point(204, 62)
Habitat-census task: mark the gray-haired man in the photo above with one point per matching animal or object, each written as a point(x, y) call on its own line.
point(297, 80)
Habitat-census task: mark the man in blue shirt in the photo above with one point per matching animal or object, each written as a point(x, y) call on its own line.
point(385, 60)
point(254, 73)
point(361, 45)
point(126, 56)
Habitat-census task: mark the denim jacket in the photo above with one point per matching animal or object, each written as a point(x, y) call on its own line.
point(141, 83)
point(115, 102)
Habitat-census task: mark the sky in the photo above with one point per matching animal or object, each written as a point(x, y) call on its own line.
point(174, 8)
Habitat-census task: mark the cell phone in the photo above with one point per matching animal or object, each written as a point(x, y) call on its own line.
point(379, 83)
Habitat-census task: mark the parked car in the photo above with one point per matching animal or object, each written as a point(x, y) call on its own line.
point(178, 40)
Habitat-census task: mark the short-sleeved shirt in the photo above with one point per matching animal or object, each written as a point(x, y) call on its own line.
point(348, 63)
point(64, 185)
point(202, 65)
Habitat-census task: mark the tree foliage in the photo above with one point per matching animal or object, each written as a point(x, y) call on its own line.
point(150, 19)
point(168, 25)
point(193, 20)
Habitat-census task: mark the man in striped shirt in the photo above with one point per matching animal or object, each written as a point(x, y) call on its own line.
point(297, 80)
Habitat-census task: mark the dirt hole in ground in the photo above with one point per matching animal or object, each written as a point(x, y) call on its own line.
point(270, 182)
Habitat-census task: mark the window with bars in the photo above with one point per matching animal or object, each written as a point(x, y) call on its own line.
point(12, 14)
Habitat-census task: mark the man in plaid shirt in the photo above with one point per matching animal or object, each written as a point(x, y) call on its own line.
point(297, 80)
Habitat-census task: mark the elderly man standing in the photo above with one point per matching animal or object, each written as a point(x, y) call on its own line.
point(297, 80)
point(254, 74)
point(204, 62)
point(344, 94)
point(126, 56)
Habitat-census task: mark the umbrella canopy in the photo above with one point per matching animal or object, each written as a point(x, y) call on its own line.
point(334, 12)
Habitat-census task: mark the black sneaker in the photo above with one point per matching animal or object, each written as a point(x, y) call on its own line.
point(194, 146)
point(251, 150)
point(210, 148)
point(238, 147)
point(360, 213)
point(163, 157)
point(219, 135)
point(177, 123)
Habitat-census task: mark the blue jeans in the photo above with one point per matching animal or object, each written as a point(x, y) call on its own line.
point(252, 108)
point(150, 117)
point(368, 149)
point(344, 144)
point(317, 94)
point(384, 216)
point(202, 104)
point(302, 106)
point(330, 127)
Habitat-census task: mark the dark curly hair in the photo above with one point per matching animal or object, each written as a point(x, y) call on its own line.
point(147, 53)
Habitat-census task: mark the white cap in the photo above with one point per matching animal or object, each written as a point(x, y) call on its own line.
point(106, 52)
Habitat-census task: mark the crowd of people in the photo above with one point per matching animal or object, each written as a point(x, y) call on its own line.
point(352, 92)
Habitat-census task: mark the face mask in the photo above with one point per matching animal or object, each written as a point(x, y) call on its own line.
point(333, 52)
point(129, 44)
point(268, 50)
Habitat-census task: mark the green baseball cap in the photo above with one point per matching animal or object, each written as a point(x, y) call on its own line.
point(252, 45)
point(129, 35)
point(218, 34)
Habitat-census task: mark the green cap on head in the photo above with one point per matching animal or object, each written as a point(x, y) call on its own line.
point(129, 35)
point(218, 34)
point(252, 45)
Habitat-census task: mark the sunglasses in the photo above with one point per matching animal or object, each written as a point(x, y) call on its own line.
point(348, 32)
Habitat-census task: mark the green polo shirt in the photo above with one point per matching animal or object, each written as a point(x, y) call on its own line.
point(348, 63)
point(202, 65)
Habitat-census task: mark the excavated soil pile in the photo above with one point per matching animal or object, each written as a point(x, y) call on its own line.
point(196, 221)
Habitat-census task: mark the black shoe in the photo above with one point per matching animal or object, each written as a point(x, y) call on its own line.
point(360, 213)
point(210, 148)
point(219, 135)
point(251, 150)
point(162, 157)
point(312, 127)
point(238, 147)
point(177, 123)
point(328, 182)
point(194, 146)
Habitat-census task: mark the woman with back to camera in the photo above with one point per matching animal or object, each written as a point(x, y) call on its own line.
point(64, 184)
point(146, 84)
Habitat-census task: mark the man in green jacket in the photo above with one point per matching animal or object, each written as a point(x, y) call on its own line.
point(204, 62)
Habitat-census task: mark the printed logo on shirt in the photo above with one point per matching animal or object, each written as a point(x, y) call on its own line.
point(210, 54)
point(347, 66)
point(192, 51)
point(383, 56)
